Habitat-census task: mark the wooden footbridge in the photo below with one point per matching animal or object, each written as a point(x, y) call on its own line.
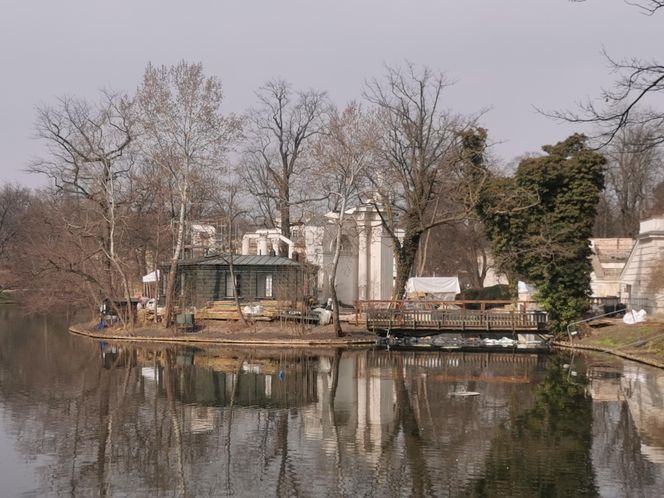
point(420, 318)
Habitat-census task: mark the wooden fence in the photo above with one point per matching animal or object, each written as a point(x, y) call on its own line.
point(455, 319)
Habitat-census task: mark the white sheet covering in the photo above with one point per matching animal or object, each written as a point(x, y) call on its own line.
point(440, 287)
point(632, 317)
point(151, 277)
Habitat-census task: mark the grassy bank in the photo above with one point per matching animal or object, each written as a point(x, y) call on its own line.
point(642, 342)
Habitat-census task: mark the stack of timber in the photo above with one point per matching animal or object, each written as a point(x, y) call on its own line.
point(227, 310)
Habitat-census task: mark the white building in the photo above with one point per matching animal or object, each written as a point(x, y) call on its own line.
point(642, 277)
point(609, 256)
point(608, 260)
point(366, 265)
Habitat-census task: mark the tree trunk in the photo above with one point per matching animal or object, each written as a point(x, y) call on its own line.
point(513, 283)
point(172, 274)
point(111, 255)
point(169, 381)
point(406, 254)
point(284, 214)
point(481, 274)
point(127, 292)
point(424, 248)
point(333, 274)
point(236, 291)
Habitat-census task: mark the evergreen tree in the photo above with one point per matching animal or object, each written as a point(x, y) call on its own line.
point(540, 220)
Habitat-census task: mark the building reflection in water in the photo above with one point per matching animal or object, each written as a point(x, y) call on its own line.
point(628, 428)
point(369, 412)
point(112, 420)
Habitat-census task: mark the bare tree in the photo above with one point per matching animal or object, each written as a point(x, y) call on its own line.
point(606, 221)
point(649, 7)
point(657, 207)
point(185, 134)
point(630, 101)
point(57, 257)
point(632, 173)
point(228, 205)
point(89, 158)
point(420, 161)
point(457, 249)
point(14, 201)
point(461, 247)
point(276, 155)
point(152, 207)
point(626, 104)
point(344, 152)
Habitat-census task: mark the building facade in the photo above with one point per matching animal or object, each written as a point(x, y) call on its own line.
point(366, 264)
point(608, 261)
point(642, 278)
point(202, 280)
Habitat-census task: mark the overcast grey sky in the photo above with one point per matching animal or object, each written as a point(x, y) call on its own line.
point(508, 55)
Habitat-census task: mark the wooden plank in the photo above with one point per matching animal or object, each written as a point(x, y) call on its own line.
point(227, 309)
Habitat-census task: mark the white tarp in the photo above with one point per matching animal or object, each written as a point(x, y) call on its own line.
point(525, 288)
point(445, 288)
point(151, 277)
point(632, 317)
point(325, 315)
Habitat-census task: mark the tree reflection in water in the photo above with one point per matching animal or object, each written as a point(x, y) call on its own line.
point(111, 420)
point(546, 450)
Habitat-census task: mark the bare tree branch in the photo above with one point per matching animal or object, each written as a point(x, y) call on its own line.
point(419, 161)
point(630, 101)
point(276, 157)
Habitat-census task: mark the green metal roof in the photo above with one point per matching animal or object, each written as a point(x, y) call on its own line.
point(250, 260)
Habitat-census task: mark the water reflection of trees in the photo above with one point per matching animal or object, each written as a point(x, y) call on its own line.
point(444, 440)
point(544, 451)
point(176, 421)
point(153, 421)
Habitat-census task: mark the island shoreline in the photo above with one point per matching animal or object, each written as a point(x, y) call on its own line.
point(279, 339)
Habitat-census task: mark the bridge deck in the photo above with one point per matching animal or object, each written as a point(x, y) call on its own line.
point(415, 321)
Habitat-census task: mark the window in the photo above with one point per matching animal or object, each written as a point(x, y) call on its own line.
point(263, 285)
point(230, 288)
point(268, 285)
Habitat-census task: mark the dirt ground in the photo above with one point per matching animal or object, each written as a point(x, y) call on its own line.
point(641, 342)
point(235, 332)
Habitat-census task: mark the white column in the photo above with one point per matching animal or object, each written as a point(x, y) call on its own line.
point(363, 254)
point(382, 260)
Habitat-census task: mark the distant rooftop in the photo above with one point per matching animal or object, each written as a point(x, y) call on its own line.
point(241, 261)
point(613, 249)
point(652, 225)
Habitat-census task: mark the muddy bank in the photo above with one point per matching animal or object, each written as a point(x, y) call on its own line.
point(259, 333)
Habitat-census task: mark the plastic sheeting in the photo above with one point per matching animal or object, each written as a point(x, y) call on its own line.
point(325, 315)
point(632, 317)
point(525, 288)
point(442, 287)
point(151, 277)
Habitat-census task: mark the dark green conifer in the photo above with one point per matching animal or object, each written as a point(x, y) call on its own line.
point(540, 220)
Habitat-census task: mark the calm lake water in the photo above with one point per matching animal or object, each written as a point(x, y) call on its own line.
point(81, 418)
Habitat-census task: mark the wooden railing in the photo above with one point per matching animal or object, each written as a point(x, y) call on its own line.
point(455, 319)
point(363, 306)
